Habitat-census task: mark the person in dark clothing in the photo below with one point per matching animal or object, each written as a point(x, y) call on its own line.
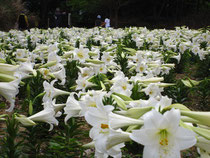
point(98, 21)
point(22, 22)
point(58, 17)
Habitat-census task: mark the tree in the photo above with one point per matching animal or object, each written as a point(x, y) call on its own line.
point(9, 12)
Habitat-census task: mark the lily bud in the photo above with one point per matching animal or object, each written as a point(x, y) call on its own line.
point(137, 112)
point(8, 69)
point(119, 102)
point(6, 78)
point(25, 120)
point(49, 64)
point(169, 65)
point(118, 121)
point(89, 145)
point(202, 117)
point(117, 137)
point(203, 144)
point(94, 61)
point(152, 80)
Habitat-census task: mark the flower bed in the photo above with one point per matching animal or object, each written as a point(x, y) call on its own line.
point(121, 82)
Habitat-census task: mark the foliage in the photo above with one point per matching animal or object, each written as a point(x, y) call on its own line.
point(9, 12)
point(11, 143)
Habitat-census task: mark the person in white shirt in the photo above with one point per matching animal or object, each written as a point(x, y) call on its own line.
point(107, 22)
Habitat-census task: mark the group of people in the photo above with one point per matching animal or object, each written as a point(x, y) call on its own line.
point(99, 22)
point(23, 21)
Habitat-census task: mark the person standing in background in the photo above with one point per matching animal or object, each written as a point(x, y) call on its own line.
point(57, 17)
point(98, 21)
point(107, 22)
point(23, 21)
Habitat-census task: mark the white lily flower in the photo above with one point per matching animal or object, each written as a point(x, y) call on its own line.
point(51, 91)
point(203, 144)
point(107, 58)
point(118, 76)
point(164, 101)
point(117, 137)
point(141, 67)
point(9, 90)
point(162, 136)
point(61, 75)
point(86, 72)
point(52, 56)
point(52, 104)
point(53, 48)
point(118, 121)
point(47, 115)
point(82, 83)
point(98, 118)
point(81, 54)
point(8, 69)
point(122, 86)
point(46, 73)
point(177, 57)
point(102, 68)
point(73, 108)
point(153, 90)
point(25, 69)
point(20, 53)
point(144, 103)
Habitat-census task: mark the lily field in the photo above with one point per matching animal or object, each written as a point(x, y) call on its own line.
point(104, 92)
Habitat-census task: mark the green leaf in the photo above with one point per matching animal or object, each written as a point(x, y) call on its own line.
point(102, 85)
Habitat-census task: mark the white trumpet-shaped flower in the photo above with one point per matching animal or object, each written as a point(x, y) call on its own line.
point(25, 69)
point(8, 69)
point(86, 72)
point(162, 136)
point(82, 83)
point(9, 90)
point(81, 54)
point(153, 90)
point(47, 115)
point(72, 108)
point(122, 86)
point(61, 75)
point(51, 91)
point(99, 119)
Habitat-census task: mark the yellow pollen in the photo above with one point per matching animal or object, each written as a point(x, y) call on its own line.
point(141, 68)
point(163, 137)
point(84, 74)
point(104, 126)
point(80, 55)
point(46, 72)
point(101, 69)
point(49, 94)
point(108, 59)
point(92, 105)
point(124, 87)
point(83, 84)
